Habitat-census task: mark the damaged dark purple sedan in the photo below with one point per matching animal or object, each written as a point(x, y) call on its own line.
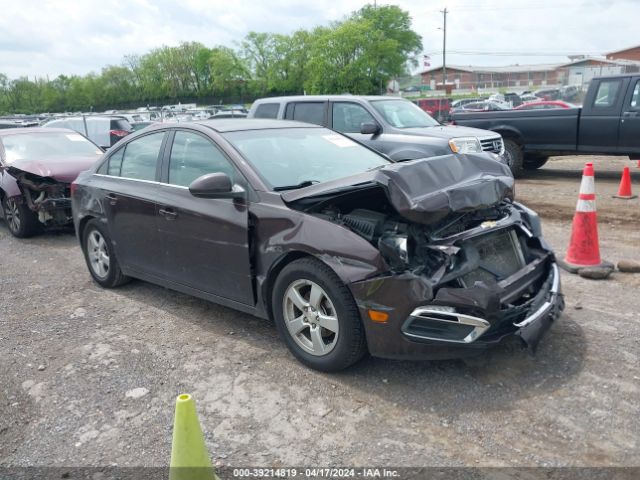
point(37, 167)
point(345, 250)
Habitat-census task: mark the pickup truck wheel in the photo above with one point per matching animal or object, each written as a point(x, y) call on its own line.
point(513, 156)
point(533, 162)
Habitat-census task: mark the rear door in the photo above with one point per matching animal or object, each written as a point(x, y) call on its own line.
point(205, 241)
point(130, 188)
point(308, 112)
point(600, 117)
point(629, 136)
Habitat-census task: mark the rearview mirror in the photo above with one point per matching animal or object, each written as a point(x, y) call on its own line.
point(369, 128)
point(215, 185)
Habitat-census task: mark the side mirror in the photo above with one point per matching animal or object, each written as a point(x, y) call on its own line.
point(215, 185)
point(369, 128)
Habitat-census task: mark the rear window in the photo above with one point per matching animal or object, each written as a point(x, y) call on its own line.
point(607, 93)
point(267, 110)
point(309, 112)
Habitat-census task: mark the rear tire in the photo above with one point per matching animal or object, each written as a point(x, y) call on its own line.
point(532, 162)
point(22, 222)
point(317, 316)
point(513, 156)
point(100, 256)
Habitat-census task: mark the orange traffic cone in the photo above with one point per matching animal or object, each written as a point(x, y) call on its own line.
point(584, 248)
point(624, 191)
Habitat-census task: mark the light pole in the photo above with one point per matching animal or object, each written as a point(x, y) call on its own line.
point(444, 50)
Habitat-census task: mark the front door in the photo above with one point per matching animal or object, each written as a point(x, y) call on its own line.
point(629, 136)
point(600, 118)
point(206, 240)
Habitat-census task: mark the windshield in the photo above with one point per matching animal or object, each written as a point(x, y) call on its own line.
point(297, 157)
point(39, 146)
point(403, 114)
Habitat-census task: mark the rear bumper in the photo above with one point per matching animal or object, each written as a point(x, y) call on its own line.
point(459, 324)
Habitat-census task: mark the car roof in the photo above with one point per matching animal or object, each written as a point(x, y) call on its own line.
point(23, 130)
point(241, 124)
point(323, 98)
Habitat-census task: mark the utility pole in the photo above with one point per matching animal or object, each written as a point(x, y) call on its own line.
point(444, 50)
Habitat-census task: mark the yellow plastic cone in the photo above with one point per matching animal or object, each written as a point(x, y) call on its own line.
point(189, 457)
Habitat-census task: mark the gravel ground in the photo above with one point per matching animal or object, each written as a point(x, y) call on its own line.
point(89, 376)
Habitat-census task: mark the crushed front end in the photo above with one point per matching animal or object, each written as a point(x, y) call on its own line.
point(48, 198)
point(468, 265)
point(462, 285)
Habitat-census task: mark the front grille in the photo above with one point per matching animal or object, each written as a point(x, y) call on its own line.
point(493, 144)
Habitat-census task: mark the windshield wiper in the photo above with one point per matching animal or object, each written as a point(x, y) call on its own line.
point(306, 183)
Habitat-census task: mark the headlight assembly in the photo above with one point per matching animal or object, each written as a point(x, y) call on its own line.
point(465, 145)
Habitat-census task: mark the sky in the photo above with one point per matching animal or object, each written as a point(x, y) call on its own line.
point(52, 37)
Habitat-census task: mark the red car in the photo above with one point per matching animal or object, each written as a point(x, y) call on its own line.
point(438, 108)
point(37, 166)
point(544, 105)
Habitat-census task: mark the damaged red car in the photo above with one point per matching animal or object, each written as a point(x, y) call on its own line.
point(346, 251)
point(37, 167)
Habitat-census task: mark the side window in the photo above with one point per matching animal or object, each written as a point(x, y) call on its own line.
point(309, 112)
point(635, 98)
point(115, 163)
point(607, 93)
point(192, 156)
point(267, 110)
point(348, 117)
point(141, 156)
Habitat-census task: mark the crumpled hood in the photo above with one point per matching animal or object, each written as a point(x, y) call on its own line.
point(428, 189)
point(59, 168)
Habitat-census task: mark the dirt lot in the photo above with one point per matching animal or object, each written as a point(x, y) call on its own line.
point(89, 376)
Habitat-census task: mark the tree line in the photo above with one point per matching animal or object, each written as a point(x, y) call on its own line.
point(358, 55)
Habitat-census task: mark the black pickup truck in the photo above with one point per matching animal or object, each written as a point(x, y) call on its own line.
point(607, 123)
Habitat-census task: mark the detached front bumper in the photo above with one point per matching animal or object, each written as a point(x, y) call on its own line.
point(459, 323)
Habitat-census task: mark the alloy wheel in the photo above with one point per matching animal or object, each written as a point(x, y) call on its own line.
point(12, 214)
point(98, 254)
point(310, 317)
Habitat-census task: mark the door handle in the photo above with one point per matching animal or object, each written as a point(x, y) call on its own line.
point(630, 114)
point(168, 213)
point(113, 199)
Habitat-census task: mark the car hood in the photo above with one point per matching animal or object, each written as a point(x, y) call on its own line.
point(59, 168)
point(448, 132)
point(425, 190)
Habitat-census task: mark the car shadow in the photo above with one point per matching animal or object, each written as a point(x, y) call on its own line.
point(503, 374)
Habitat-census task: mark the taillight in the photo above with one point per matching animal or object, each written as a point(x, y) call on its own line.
point(119, 133)
point(73, 187)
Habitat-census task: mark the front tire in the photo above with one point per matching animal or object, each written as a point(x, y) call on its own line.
point(513, 156)
point(317, 316)
point(22, 222)
point(100, 256)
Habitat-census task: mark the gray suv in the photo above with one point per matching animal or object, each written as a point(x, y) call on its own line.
point(392, 125)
